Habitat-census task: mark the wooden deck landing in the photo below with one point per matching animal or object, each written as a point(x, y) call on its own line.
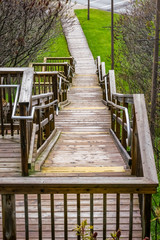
point(10, 156)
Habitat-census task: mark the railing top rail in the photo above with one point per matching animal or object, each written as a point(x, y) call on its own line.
point(122, 95)
point(22, 185)
point(14, 70)
point(58, 58)
point(144, 136)
point(46, 73)
point(49, 64)
point(42, 95)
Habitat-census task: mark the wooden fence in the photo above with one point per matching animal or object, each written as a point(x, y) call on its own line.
point(60, 191)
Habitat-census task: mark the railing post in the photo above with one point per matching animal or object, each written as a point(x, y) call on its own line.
point(47, 127)
point(124, 133)
point(117, 123)
point(38, 121)
point(55, 86)
point(9, 217)
point(24, 139)
point(147, 215)
point(66, 71)
point(134, 150)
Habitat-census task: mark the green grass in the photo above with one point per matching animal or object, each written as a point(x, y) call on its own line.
point(55, 48)
point(98, 33)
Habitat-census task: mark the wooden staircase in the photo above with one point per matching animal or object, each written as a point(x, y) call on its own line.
point(85, 176)
point(85, 146)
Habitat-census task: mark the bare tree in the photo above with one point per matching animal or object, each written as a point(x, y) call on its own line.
point(25, 27)
point(134, 35)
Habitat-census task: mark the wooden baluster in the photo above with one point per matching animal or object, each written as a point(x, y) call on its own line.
point(124, 133)
point(78, 214)
point(52, 217)
point(39, 84)
point(55, 86)
point(26, 217)
point(10, 106)
point(147, 215)
point(63, 93)
point(34, 84)
point(131, 217)
point(24, 139)
point(104, 92)
point(117, 211)
point(91, 211)
point(39, 217)
point(65, 218)
point(104, 215)
point(38, 121)
point(2, 115)
point(9, 217)
point(66, 89)
point(134, 150)
point(112, 118)
point(117, 123)
point(66, 71)
point(52, 121)
point(44, 77)
point(71, 61)
point(47, 127)
point(49, 80)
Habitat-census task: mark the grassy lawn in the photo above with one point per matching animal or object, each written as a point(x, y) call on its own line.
point(98, 33)
point(56, 48)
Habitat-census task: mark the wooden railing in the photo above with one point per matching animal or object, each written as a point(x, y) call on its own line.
point(28, 115)
point(70, 60)
point(67, 194)
point(28, 99)
point(7, 97)
point(62, 67)
point(51, 82)
point(130, 130)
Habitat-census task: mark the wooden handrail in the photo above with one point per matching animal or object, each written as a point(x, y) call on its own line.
point(144, 138)
point(35, 185)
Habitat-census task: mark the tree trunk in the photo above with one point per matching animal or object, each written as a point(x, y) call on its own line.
point(155, 71)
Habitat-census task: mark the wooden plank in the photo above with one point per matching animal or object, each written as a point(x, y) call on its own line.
point(82, 169)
